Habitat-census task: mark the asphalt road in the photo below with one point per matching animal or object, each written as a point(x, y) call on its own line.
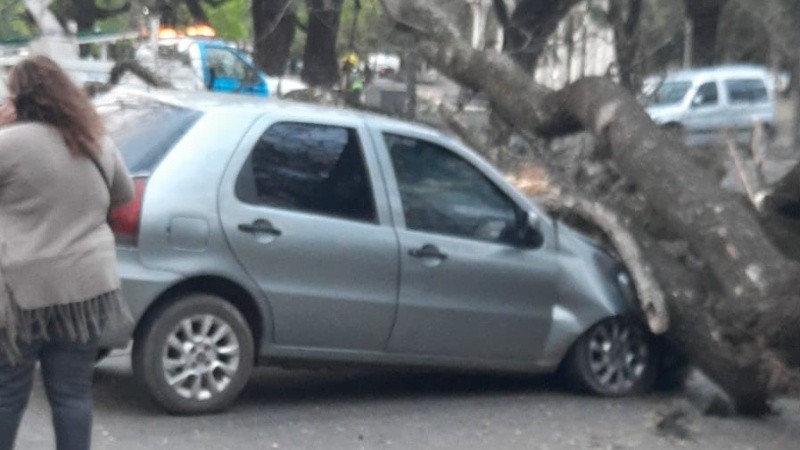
point(384, 410)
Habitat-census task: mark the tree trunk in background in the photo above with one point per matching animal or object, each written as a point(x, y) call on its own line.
point(732, 294)
point(705, 16)
point(320, 67)
point(86, 14)
point(569, 43)
point(196, 11)
point(411, 66)
point(624, 17)
point(528, 28)
point(794, 88)
point(274, 26)
point(780, 18)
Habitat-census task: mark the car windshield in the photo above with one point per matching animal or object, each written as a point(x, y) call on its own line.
point(670, 93)
point(145, 130)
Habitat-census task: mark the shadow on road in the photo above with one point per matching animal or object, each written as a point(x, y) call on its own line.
point(116, 389)
point(271, 386)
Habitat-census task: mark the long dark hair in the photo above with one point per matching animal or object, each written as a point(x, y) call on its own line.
point(43, 92)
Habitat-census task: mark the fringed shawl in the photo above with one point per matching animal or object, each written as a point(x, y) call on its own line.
point(79, 321)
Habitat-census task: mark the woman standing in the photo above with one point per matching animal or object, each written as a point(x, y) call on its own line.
point(59, 284)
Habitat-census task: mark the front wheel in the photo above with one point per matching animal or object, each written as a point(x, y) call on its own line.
point(195, 355)
point(614, 358)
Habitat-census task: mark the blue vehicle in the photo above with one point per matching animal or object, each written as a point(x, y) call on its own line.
point(221, 67)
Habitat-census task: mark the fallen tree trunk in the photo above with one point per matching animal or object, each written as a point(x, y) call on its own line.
point(737, 312)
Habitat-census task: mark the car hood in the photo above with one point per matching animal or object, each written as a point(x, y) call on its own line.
point(663, 114)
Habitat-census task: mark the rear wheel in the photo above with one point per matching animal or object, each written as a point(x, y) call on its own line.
point(195, 355)
point(614, 358)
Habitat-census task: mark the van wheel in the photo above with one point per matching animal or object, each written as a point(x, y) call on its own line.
point(613, 358)
point(195, 355)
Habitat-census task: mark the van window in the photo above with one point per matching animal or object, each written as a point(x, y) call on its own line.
point(747, 91)
point(707, 94)
point(671, 92)
point(225, 63)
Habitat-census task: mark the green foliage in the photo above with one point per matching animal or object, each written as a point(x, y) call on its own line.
point(232, 20)
point(12, 24)
point(372, 30)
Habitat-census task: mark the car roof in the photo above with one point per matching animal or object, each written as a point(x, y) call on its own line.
point(716, 72)
point(205, 101)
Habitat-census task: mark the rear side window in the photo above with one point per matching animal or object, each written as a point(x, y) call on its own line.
point(746, 91)
point(145, 130)
point(311, 168)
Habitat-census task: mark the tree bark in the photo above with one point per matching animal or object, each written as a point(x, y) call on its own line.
point(274, 26)
point(705, 16)
point(747, 288)
point(196, 11)
point(528, 27)
point(320, 67)
point(624, 17)
point(780, 19)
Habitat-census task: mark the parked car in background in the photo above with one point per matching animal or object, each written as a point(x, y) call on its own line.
point(703, 105)
point(266, 232)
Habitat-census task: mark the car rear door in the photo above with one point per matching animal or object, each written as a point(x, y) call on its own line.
point(465, 291)
point(749, 101)
point(307, 217)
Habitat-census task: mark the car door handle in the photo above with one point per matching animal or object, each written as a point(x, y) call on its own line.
point(260, 226)
point(427, 251)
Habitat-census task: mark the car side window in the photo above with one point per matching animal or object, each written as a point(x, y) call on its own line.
point(226, 64)
point(443, 193)
point(310, 168)
point(746, 91)
point(707, 94)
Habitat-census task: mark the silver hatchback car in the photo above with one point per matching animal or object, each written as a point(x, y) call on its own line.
point(266, 232)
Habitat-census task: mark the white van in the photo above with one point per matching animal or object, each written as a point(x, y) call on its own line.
point(705, 104)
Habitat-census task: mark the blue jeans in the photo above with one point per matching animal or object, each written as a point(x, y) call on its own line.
point(67, 368)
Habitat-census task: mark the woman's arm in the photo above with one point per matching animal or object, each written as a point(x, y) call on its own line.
point(121, 181)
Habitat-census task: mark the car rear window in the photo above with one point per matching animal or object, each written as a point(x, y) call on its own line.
point(145, 130)
point(747, 91)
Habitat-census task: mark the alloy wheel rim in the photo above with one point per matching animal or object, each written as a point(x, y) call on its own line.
point(618, 355)
point(200, 357)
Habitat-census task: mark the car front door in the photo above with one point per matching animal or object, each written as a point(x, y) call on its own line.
point(299, 210)
point(706, 119)
point(466, 291)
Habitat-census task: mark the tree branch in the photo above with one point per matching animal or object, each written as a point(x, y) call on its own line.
point(107, 13)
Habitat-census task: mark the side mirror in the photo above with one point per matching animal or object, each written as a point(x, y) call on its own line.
point(698, 100)
point(535, 222)
point(531, 235)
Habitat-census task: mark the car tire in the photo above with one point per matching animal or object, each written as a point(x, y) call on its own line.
point(195, 355)
point(614, 358)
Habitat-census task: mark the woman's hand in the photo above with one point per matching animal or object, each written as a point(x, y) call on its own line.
point(8, 114)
